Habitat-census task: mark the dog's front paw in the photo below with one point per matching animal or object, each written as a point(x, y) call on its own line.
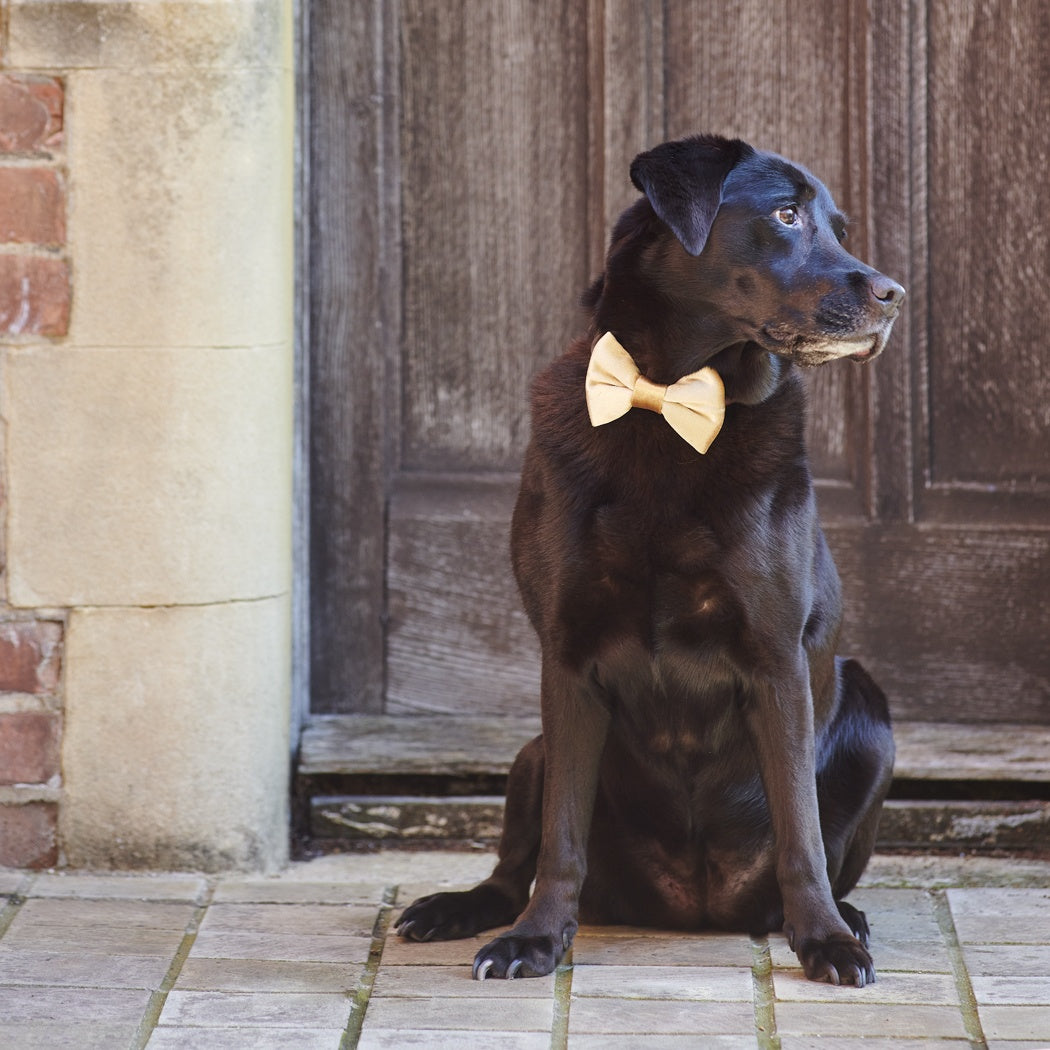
point(514, 955)
point(856, 920)
point(838, 958)
point(449, 916)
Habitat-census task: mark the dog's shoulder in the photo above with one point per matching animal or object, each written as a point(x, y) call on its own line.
point(560, 424)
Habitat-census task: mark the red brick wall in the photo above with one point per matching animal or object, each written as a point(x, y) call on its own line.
point(30, 738)
point(34, 270)
point(35, 294)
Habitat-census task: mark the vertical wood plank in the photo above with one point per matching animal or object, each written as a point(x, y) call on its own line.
point(989, 151)
point(631, 101)
point(784, 77)
point(353, 311)
point(897, 236)
point(494, 138)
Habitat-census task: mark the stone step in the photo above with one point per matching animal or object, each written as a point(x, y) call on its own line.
point(439, 779)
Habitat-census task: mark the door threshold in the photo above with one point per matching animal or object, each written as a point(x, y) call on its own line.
point(370, 781)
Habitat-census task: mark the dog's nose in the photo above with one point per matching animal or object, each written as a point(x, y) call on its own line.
point(888, 292)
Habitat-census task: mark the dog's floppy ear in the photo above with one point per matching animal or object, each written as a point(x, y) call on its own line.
point(683, 181)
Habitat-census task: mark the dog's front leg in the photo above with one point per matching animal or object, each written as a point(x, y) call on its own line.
point(575, 725)
point(781, 721)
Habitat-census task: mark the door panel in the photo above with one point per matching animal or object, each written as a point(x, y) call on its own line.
point(493, 184)
point(467, 162)
point(989, 246)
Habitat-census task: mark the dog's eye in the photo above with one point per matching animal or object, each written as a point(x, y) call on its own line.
point(788, 216)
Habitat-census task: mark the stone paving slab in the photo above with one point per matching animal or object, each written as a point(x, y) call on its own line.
point(10, 882)
point(121, 914)
point(308, 960)
point(650, 1041)
point(244, 1039)
point(455, 982)
point(76, 970)
point(212, 1009)
point(860, 1019)
point(91, 940)
point(457, 1039)
point(200, 974)
point(117, 887)
point(667, 1017)
point(604, 945)
point(69, 1005)
point(79, 1034)
point(481, 1012)
point(631, 981)
point(803, 1042)
point(290, 947)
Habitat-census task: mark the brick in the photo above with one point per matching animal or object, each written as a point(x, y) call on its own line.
point(27, 835)
point(283, 946)
point(82, 971)
point(37, 1036)
point(277, 891)
point(34, 295)
point(32, 206)
point(263, 975)
point(126, 915)
point(73, 1005)
point(91, 940)
point(29, 652)
point(659, 1017)
point(905, 988)
point(30, 113)
point(855, 1020)
point(720, 983)
point(1016, 1022)
point(453, 982)
point(118, 887)
point(600, 945)
point(671, 1042)
point(255, 1009)
point(452, 1039)
point(479, 1014)
point(28, 747)
point(299, 919)
point(247, 1039)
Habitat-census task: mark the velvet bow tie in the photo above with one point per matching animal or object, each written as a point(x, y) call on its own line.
point(694, 406)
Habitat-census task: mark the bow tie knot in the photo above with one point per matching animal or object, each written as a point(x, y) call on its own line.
point(694, 406)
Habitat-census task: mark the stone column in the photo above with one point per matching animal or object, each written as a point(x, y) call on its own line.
point(148, 452)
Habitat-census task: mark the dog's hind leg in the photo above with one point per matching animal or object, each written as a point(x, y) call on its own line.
point(853, 780)
point(503, 895)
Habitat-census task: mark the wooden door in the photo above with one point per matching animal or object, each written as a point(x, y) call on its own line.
point(466, 161)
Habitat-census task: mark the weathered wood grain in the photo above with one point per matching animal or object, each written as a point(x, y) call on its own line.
point(354, 306)
point(458, 746)
point(446, 745)
point(989, 244)
point(782, 77)
point(460, 821)
point(494, 169)
point(466, 161)
point(404, 820)
point(926, 609)
point(965, 826)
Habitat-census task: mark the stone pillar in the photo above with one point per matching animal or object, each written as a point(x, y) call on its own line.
point(148, 451)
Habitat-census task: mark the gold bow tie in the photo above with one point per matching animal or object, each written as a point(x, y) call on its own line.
point(695, 406)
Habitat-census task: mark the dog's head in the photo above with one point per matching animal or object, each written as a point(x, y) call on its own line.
point(759, 240)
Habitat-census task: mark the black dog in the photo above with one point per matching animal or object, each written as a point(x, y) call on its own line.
point(706, 760)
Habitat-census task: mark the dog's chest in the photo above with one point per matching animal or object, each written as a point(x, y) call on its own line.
point(668, 579)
